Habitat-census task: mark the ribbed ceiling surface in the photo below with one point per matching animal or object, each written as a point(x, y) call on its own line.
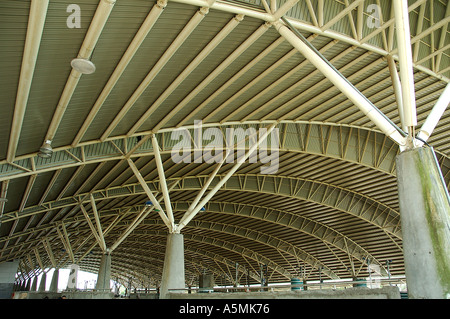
point(329, 209)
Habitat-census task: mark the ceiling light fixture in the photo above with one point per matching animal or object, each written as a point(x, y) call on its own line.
point(83, 66)
point(46, 150)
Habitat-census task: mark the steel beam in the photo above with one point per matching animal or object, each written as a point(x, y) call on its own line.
point(397, 90)
point(162, 181)
point(176, 44)
point(205, 187)
point(138, 219)
point(185, 220)
point(226, 30)
point(50, 254)
point(149, 193)
point(236, 53)
point(406, 63)
point(278, 13)
point(95, 29)
point(308, 51)
point(36, 21)
point(93, 230)
point(432, 120)
point(97, 221)
point(65, 240)
point(145, 28)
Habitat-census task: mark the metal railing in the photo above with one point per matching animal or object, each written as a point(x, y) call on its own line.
point(373, 283)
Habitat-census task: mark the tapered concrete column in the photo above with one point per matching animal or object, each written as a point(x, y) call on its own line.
point(206, 283)
point(28, 285)
point(8, 271)
point(34, 284)
point(43, 282)
point(73, 277)
point(54, 282)
point(104, 273)
point(425, 220)
point(173, 270)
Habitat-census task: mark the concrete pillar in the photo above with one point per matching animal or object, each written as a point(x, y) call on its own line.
point(43, 282)
point(206, 283)
point(28, 285)
point(73, 277)
point(54, 282)
point(173, 270)
point(21, 285)
point(104, 273)
point(34, 284)
point(425, 219)
point(8, 272)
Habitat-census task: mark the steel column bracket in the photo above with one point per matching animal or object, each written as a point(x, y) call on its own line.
point(161, 4)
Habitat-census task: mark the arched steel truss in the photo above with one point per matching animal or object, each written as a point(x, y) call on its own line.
point(361, 147)
point(333, 160)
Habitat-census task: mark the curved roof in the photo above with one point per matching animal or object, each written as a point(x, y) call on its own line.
point(329, 208)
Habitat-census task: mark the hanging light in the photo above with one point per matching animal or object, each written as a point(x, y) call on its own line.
point(83, 66)
point(46, 150)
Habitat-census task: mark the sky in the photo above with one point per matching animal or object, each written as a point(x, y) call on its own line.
point(85, 280)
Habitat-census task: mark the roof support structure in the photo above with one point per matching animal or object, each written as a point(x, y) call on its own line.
point(87, 239)
point(205, 187)
point(187, 218)
point(436, 112)
point(95, 29)
point(3, 192)
point(406, 64)
point(162, 181)
point(149, 193)
point(226, 30)
point(317, 28)
point(38, 258)
point(36, 20)
point(329, 236)
point(308, 51)
point(27, 192)
point(147, 25)
point(397, 90)
point(65, 240)
point(322, 149)
point(93, 230)
point(278, 13)
point(49, 251)
point(176, 44)
point(442, 40)
point(233, 56)
point(292, 88)
point(97, 221)
point(139, 218)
